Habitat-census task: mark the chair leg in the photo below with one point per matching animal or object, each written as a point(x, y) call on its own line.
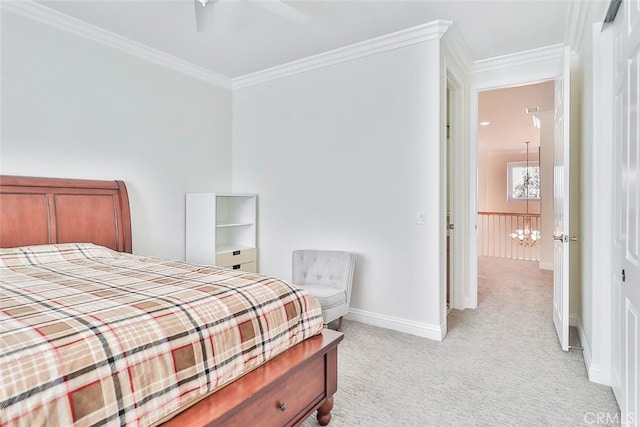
point(339, 325)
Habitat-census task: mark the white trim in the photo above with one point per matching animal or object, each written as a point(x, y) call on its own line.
point(420, 33)
point(525, 68)
point(456, 68)
point(594, 371)
point(599, 183)
point(457, 48)
point(456, 76)
point(518, 59)
point(545, 266)
point(425, 330)
point(37, 12)
point(574, 320)
point(595, 374)
point(574, 27)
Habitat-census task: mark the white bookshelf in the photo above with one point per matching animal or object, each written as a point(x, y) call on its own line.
point(221, 230)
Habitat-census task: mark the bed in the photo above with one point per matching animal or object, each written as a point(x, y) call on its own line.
point(72, 290)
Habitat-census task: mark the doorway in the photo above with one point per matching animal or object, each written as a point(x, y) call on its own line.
point(514, 178)
point(521, 72)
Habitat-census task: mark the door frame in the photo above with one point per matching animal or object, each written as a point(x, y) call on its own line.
point(520, 69)
point(456, 98)
point(514, 71)
point(598, 224)
point(454, 78)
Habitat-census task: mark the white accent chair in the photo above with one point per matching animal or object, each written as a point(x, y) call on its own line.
point(327, 275)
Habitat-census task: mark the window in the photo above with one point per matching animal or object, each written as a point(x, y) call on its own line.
point(519, 185)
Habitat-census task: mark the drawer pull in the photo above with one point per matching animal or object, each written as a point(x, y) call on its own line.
point(236, 267)
point(282, 407)
point(236, 253)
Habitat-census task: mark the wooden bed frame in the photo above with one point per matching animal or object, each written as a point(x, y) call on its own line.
point(284, 391)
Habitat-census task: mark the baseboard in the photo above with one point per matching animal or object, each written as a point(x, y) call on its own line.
point(582, 337)
point(595, 375)
point(594, 371)
point(574, 320)
point(425, 330)
point(469, 303)
point(545, 265)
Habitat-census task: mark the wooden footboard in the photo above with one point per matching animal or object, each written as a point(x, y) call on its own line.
point(283, 392)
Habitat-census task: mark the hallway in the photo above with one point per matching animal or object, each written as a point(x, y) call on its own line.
point(512, 333)
point(499, 365)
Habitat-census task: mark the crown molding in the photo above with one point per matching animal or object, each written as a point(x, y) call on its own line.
point(574, 27)
point(425, 32)
point(552, 52)
point(45, 15)
point(457, 47)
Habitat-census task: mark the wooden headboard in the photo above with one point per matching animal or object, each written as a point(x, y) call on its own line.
point(37, 211)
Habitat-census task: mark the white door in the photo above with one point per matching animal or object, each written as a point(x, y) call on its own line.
point(626, 241)
point(561, 205)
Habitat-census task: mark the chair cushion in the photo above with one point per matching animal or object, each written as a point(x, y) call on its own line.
point(333, 301)
point(326, 295)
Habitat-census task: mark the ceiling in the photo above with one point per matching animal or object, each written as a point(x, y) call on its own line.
point(510, 125)
point(246, 36)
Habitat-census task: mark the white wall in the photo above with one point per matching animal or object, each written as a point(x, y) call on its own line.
point(493, 183)
point(345, 157)
point(73, 108)
point(595, 124)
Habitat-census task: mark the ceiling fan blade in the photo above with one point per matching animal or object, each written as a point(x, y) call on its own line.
point(284, 10)
point(204, 14)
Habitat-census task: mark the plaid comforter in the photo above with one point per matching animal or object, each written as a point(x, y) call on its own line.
point(89, 336)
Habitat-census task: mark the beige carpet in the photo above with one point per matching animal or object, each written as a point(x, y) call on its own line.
point(500, 365)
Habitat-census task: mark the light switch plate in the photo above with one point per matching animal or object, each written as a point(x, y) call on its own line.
point(422, 218)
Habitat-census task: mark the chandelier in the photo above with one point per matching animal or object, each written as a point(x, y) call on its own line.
point(525, 236)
